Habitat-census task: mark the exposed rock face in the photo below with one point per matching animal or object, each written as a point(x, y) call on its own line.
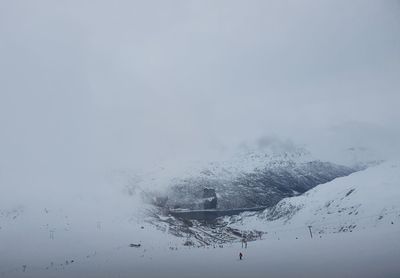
point(250, 178)
point(261, 187)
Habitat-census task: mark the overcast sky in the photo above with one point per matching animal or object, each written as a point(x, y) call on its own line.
point(136, 83)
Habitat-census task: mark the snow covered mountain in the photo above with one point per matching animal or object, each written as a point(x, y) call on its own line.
point(260, 187)
point(362, 200)
point(193, 205)
point(250, 179)
point(355, 221)
point(105, 226)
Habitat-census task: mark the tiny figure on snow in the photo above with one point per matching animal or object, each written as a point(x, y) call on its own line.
point(240, 256)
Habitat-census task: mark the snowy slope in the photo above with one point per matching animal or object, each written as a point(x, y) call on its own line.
point(73, 235)
point(368, 253)
point(249, 178)
point(70, 228)
point(363, 200)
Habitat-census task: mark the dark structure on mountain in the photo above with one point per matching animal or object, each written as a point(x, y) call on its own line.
point(210, 197)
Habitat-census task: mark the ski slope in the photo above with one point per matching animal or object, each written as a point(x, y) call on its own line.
point(372, 253)
point(77, 236)
point(364, 200)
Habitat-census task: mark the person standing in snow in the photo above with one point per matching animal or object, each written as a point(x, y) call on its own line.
point(240, 256)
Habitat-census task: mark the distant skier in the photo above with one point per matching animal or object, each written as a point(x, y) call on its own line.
point(240, 256)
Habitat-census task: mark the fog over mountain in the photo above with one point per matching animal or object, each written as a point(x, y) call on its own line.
point(122, 111)
point(130, 84)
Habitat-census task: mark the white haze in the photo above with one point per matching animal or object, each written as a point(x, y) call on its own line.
point(92, 85)
point(88, 85)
